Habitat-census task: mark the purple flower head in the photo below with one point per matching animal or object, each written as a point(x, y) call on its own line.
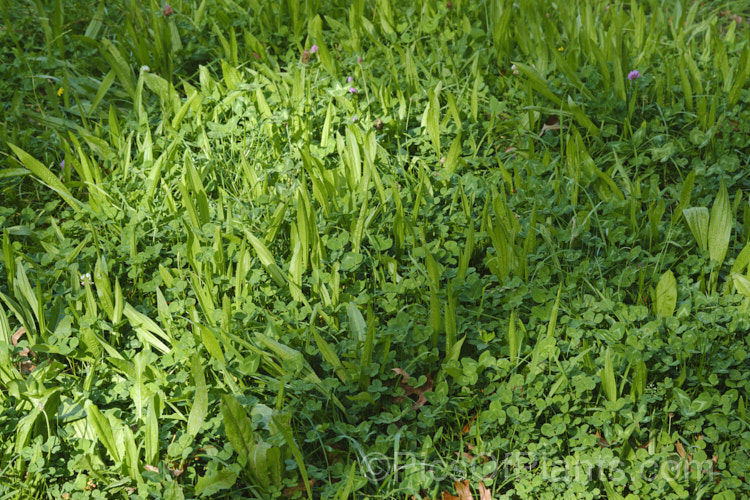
point(352, 90)
point(354, 118)
point(313, 49)
point(349, 79)
point(359, 60)
point(167, 10)
point(65, 168)
point(257, 56)
point(634, 75)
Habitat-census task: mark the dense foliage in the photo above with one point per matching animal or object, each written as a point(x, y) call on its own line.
point(374, 249)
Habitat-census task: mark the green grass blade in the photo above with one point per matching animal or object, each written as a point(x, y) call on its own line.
point(367, 348)
point(286, 431)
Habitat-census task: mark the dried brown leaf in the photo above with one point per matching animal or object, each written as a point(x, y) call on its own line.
point(484, 492)
point(289, 491)
point(410, 390)
point(26, 367)
point(467, 427)
point(463, 489)
point(551, 123)
point(17, 336)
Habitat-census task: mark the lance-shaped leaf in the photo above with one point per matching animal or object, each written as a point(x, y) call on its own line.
point(742, 285)
point(666, 295)
point(697, 221)
point(200, 404)
point(238, 428)
point(720, 227)
point(103, 430)
point(266, 258)
point(45, 175)
point(608, 377)
point(357, 323)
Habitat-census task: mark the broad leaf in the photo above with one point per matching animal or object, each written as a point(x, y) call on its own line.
point(238, 428)
point(45, 176)
point(697, 221)
point(666, 295)
point(720, 227)
point(200, 403)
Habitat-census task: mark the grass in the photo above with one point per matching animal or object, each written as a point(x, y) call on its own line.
point(374, 249)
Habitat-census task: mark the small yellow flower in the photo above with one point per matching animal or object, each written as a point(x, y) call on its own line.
point(60, 91)
point(560, 49)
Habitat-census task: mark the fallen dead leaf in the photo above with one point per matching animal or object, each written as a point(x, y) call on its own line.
point(26, 367)
point(27, 353)
point(484, 492)
point(409, 390)
point(484, 458)
point(467, 427)
point(715, 460)
point(463, 489)
point(17, 336)
point(289, 491)
point(551, 123)
point(151, 468)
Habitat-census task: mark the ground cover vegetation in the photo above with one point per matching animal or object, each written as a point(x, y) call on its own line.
point(374, 249)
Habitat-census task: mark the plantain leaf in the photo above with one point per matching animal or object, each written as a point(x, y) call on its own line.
point(608, 377)
point(742, 260)
point(238, 428)
point(45, 176)
point(666, 295)
point(330, 356)
point(215, 481)
point(103, 430)
point(720, 227)
point(151, 431)
point(697, 221)
point(742, 285)
point(357, 323)
point(199, 409)
point(266, 258)
point(212, 344)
